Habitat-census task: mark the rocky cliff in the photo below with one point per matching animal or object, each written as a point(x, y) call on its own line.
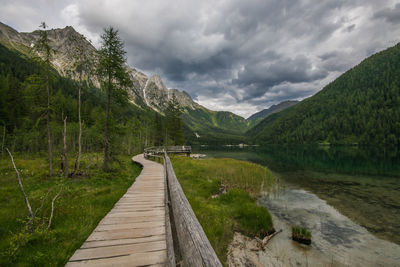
point(146, 92)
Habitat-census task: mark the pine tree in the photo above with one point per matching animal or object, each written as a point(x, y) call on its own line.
point(113, 76)
point(42, 47)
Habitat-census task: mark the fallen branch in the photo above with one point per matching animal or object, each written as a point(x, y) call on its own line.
point(52, 208)
point(21, 186)
point(264, 242)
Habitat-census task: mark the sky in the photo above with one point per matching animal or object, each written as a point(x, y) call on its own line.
point(240, 56)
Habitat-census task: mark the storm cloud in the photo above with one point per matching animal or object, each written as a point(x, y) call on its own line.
point(241, 56)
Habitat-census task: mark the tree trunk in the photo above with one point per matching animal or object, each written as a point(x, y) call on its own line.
point(49, 152)
point(4, 138)
point(65, 152)
point(106, 143)
point(78, 155)
point(21, 186)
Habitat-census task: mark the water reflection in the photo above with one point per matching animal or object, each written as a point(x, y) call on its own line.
point(375, 160)
point(362, 183)
point(336, 240)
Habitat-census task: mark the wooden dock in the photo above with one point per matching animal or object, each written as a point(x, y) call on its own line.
point(133, 233)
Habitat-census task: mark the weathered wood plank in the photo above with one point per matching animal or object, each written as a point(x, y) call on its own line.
point(118, 250)
point(133, 233)
point(136, 259)
point(108, 243)
point(107, 227)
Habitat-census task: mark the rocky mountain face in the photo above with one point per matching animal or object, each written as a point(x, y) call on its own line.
point(64, 41)
point(146, 92)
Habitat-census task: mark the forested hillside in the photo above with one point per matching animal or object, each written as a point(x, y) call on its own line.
point(271, 110)
point(361, 106)
point(22, 109)
point(214, 127)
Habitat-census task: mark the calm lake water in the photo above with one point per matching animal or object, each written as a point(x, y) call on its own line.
point(349, 197)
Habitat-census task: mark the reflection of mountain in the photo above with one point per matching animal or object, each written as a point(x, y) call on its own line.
point(334, 159)
point(361, 106)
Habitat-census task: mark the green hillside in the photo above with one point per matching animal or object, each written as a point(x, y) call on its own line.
point(361, 106)
point(22, 108)
point(214, 127)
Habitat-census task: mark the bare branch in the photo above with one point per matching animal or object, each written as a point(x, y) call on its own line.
point(43, 200)
point(52, 208)
point(21, 186)
point(265, 240)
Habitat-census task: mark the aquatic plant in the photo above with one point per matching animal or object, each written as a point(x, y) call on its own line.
point(301, 235)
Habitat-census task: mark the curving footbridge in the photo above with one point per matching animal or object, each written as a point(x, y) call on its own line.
point(153, 224)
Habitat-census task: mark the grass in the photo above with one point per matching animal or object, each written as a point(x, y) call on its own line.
point(299, 232)
point(237, 210)
point(83, 202)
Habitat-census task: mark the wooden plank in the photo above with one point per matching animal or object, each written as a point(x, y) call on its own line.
point(107, 227)
point(109, 243)
point(133, 233)
point(136, 259)
point(118, 250)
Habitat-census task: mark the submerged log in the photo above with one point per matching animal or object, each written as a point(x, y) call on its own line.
point(265, 240)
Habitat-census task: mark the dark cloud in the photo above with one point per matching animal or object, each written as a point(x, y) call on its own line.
point(237, 55)
point(266, 74)
point(391, 15)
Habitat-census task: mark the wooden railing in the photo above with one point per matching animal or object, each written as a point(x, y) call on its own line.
point(159, 150)
point(190, 245)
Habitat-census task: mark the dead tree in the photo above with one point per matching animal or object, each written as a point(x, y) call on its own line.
point(31, 215)
point(52, 208)
point(4, 137)
point(64, 155)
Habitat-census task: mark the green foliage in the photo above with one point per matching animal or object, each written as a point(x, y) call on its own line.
point(300, 232)
point(111, 66)
point(22, 111)
point(236, 210)
point(214, 128)
point(114, 79)
point(361, 106)
point(83, 202)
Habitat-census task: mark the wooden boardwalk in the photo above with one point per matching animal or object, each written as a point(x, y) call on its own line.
point(133, 233)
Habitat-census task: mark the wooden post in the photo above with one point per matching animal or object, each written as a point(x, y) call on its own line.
point(194, 246)
point(168, 228)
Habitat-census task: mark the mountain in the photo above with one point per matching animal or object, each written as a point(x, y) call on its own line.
point(146, 92)
point(361, 106)
point(64, 41)
point(272, 109)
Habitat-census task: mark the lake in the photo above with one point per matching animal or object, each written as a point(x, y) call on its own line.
point(348, 196)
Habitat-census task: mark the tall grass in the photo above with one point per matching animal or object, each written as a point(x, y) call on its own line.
point(83, 202)
point(236, 210)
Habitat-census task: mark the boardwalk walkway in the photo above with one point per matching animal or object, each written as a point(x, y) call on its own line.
point(133, 233)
